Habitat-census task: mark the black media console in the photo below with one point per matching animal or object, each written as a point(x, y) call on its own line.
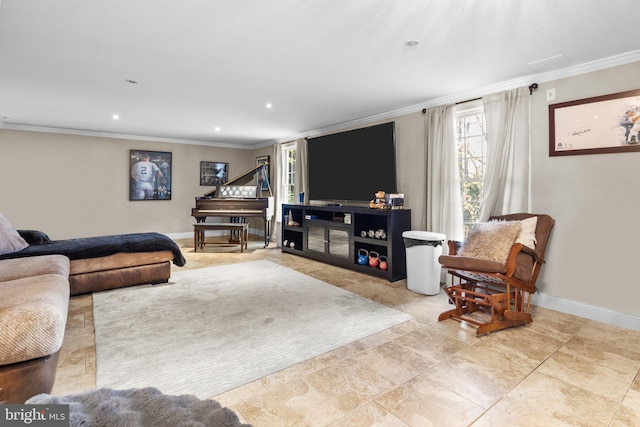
point(344, 235)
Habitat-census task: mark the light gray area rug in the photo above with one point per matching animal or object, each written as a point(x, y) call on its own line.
point(213, 329)
point(140, 408)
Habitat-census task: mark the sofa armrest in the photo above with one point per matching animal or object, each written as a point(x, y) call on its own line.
point(34, 237)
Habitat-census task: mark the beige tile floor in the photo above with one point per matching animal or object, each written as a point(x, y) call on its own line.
point(561, 370)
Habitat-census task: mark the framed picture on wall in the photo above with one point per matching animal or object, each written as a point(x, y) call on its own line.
point(263, 180)
point(150, 176)
point(213, 173)
point(602, 124)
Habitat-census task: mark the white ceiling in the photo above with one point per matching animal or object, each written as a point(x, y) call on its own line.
point(202, 64)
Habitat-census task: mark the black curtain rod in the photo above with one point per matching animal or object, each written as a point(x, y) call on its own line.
point(468, 100)
point(532, 87)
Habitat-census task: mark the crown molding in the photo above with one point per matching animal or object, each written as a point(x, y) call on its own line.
point(600, 64)
point(575, 70)
point(65, 131)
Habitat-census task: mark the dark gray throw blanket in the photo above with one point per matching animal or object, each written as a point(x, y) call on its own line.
point(146, 407)
point(94, 247)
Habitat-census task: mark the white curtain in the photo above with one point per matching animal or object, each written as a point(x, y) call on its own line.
point(302, 180)
point(280, 178)
point(276, 188)
point(443, 210)
point(506, 183)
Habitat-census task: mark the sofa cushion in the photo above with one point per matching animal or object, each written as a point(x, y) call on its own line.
point(101, 246)
point(33, 314)
point(117, 261)
point(96, 281)
point(10, 239)
point(11, 269)
point(456, 262)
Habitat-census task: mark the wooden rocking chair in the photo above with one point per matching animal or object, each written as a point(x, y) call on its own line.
point(501, 293)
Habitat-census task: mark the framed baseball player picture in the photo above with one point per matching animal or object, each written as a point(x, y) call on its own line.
point(213, 173)
point(150, 175)
point(601, 124)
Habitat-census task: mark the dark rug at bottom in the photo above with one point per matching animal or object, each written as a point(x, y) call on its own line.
point(144, 407)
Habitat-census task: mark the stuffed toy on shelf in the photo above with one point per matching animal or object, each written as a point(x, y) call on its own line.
point(379, 202)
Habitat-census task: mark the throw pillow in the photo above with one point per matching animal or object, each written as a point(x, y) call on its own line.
point(34, 237)
point(491, 240)
point(10, 240)
point(527, 234)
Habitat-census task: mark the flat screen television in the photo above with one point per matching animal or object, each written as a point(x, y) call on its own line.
point(351, 166)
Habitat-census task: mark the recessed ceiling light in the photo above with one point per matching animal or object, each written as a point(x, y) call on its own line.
point(116, 117)
point(217, 129)
point(269, 105)
point(411, 43)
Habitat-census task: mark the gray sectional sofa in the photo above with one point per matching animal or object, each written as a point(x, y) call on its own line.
point(37, 277)
point(34, 301)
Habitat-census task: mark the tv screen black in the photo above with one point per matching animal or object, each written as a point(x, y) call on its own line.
point(352, 165)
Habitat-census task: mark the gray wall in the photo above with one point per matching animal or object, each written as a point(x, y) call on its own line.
point(78, 186)
point(594, 200)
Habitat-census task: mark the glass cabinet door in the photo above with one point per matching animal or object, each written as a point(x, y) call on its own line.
point(338, 243)
point(315, 239)
point(329, 241)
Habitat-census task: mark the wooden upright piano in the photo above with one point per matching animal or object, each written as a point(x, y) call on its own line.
point(236, 201)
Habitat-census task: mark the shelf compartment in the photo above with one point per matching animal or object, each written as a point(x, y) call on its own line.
point(292, 236)
point(368, 241)
point(381, 251)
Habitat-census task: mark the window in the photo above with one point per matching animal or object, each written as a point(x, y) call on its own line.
point(472, 160)
point(289, 168)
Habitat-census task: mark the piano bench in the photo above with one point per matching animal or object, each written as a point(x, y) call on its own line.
point(200, 227)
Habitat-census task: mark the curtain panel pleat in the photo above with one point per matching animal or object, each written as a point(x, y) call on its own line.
point(506, 185)
point(276, 187)
point(443, 210)
point(302, 180)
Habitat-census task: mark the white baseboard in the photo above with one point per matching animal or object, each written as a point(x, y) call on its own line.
point(185, 235)
point(588, 311)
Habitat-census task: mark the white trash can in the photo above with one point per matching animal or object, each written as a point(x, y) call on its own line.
point(423, 269)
